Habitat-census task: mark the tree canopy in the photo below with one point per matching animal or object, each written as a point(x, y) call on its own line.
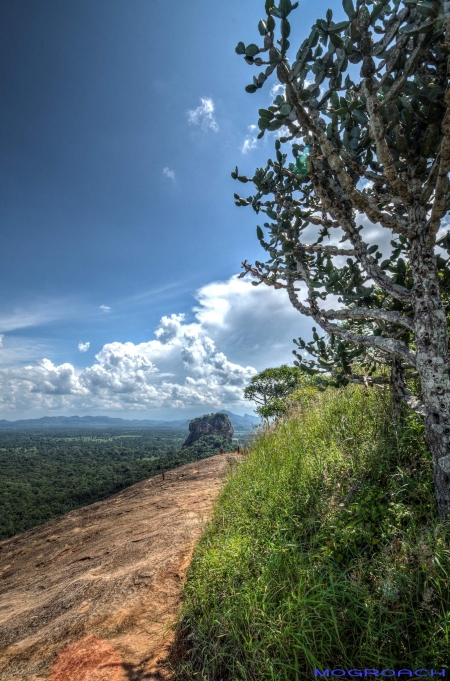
point(270, 388)
point(368, 149)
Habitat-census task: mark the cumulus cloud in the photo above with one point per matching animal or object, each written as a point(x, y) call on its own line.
point(204, 364)
point(84, 347)
point(105, 308)
point(203, 115)
point(169, 173)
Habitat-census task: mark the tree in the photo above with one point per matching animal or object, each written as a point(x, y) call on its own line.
point(270, 388)
point(375, 147)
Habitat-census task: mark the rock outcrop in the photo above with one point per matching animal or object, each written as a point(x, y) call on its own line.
point(211, 424)
point(95, 594)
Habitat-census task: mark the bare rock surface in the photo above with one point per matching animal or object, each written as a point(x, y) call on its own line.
point(211, 424)
point(93, 596)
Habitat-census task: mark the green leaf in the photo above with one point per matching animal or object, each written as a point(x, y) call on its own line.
point(265, 113)
point(376, 12)
point(285, 28)
point(314, 37)
point(275, 125)
point(334, 100)
point(259, 233)
point(336, 40)
point(337, 28)
point(262, 27)
point(240, 48)
point(286, 109)
point(360, 116)
point(372, 249)
point(427, 9)
point(251, 88)
point(349, 8)
point(285, 8)
point(263, 123)
point(270, 23)
point(251, 50)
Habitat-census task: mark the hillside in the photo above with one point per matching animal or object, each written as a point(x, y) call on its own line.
point(324, 551)
point(99, 588)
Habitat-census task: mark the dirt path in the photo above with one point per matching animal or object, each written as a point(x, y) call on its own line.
point(92, 596)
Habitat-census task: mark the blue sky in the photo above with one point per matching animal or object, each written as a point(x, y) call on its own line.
point(121, 121)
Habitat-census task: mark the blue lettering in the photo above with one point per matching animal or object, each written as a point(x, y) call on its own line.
point(325, 673)
point(371, 672)
point(391, 672)
point(442, 672)
point(335, 672)
point(354, 672)
point(404, 671)
point(416, 673)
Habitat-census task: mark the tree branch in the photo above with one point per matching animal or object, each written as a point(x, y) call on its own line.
point(342, 214)
point(332, 250)
point(312, 123)
point(377, 129)
point(386, 345)
point(364, 312)
point(440, 204)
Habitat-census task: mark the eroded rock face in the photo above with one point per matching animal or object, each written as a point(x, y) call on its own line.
point(211, 424)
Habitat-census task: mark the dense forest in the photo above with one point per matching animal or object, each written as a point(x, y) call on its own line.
point(46, 473)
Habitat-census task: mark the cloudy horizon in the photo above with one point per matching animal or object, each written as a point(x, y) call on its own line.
point(196, 361)
point(121, 240)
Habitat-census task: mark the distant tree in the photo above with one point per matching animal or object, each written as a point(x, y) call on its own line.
point(379, 147)
point(270, 388)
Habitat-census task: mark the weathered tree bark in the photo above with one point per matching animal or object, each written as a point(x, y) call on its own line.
point(432, 364)
point(396, 387)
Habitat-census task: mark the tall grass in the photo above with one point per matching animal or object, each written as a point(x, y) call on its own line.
point(324, 551)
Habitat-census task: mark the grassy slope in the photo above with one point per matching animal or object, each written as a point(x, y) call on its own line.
point(324, 551)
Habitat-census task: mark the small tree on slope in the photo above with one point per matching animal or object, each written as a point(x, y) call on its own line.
point(379, 148)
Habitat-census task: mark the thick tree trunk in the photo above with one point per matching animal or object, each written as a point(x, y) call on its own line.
point(432, 364)
point(396, 387)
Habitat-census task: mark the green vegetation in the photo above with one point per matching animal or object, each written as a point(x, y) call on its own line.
point(46, 473)
point(324, 550)
point(270, 388)
point(207, 445)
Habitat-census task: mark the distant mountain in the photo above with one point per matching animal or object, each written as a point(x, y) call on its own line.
point(245, 422)
point(238, 422)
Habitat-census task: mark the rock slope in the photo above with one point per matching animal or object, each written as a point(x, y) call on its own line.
point(92, 596)
point(211, 424)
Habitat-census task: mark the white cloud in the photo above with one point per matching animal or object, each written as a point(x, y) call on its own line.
point(1, 339)
point(277, 89)
point(201, 365)
point(250, 141)
point(169, 173)
point(105, 308)
point(84, 347)
point(203, 115)
point(39, 313)
point(281, 132)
